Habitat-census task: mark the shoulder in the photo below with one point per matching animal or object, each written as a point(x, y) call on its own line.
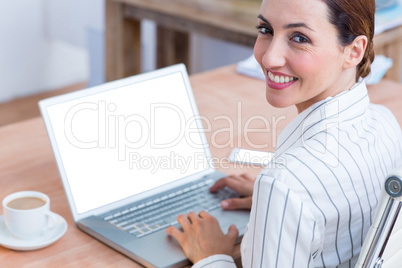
point(300, 163)
point(276, 205)
point(309, 173)
point(301, 171)
point(382, 114)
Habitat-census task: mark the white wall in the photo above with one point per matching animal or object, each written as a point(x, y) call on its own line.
point(21, 51)
point(48, 44)
point(37, 51)
point(69, 20)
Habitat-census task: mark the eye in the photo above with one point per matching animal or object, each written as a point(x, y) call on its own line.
point(300, 39)
point(264, 30)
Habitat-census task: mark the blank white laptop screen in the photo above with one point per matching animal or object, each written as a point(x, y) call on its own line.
point(128, 140)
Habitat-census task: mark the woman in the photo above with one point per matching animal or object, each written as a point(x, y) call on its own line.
point(315, 209)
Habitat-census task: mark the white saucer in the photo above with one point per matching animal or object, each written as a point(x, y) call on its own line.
point(9, 241)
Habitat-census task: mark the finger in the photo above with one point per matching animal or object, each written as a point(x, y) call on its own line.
point(219, 184)
point(233, 233)
point(208, 218)
point(237, 203)
point(193, 217)
point(175, 233)
point(233, 182)
point(184, 222)
point(203, 214)
point(246, 177)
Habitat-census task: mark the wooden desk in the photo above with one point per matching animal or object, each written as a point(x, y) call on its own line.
point(229, 20)
point(27, 162)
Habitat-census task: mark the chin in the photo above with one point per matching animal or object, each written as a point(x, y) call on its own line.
point(278, 102)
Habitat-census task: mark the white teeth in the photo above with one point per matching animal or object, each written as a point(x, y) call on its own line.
point(280, 79)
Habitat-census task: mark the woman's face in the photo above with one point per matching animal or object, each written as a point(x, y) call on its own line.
point(298, 50)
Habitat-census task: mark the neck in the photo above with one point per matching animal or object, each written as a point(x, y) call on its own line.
point(345, 82)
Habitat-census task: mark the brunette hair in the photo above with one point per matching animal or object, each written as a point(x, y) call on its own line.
point(353, 18)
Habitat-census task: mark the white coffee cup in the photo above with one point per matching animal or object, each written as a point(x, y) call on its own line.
point(27, 214)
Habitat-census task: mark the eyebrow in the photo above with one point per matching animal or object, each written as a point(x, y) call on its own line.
point(288, 26)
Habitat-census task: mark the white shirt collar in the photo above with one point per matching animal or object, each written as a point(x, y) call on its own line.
point(323, 115)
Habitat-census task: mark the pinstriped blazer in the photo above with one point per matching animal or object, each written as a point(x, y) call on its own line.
point(314, 203)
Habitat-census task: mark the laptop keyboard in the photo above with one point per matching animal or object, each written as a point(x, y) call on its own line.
point(162, 212)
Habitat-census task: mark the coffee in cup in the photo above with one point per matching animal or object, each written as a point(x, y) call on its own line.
point(26, 203)
point(27, 214)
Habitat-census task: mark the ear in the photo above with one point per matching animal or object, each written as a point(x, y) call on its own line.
point(355, 52)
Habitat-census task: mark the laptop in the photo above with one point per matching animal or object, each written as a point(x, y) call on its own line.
point(132, 155)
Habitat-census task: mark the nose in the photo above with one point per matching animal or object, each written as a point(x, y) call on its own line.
point(274, 55)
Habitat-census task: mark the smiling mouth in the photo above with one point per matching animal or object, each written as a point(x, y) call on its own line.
point(280, 79)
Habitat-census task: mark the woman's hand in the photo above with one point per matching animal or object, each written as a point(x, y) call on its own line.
point(243, 185)
point(202, 236)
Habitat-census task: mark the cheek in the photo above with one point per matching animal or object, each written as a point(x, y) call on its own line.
point(307, 64)
point(259, 51)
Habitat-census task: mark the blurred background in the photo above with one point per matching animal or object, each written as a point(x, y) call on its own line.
point(47, 45)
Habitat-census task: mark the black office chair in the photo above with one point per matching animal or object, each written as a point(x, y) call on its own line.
point(386, 215)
